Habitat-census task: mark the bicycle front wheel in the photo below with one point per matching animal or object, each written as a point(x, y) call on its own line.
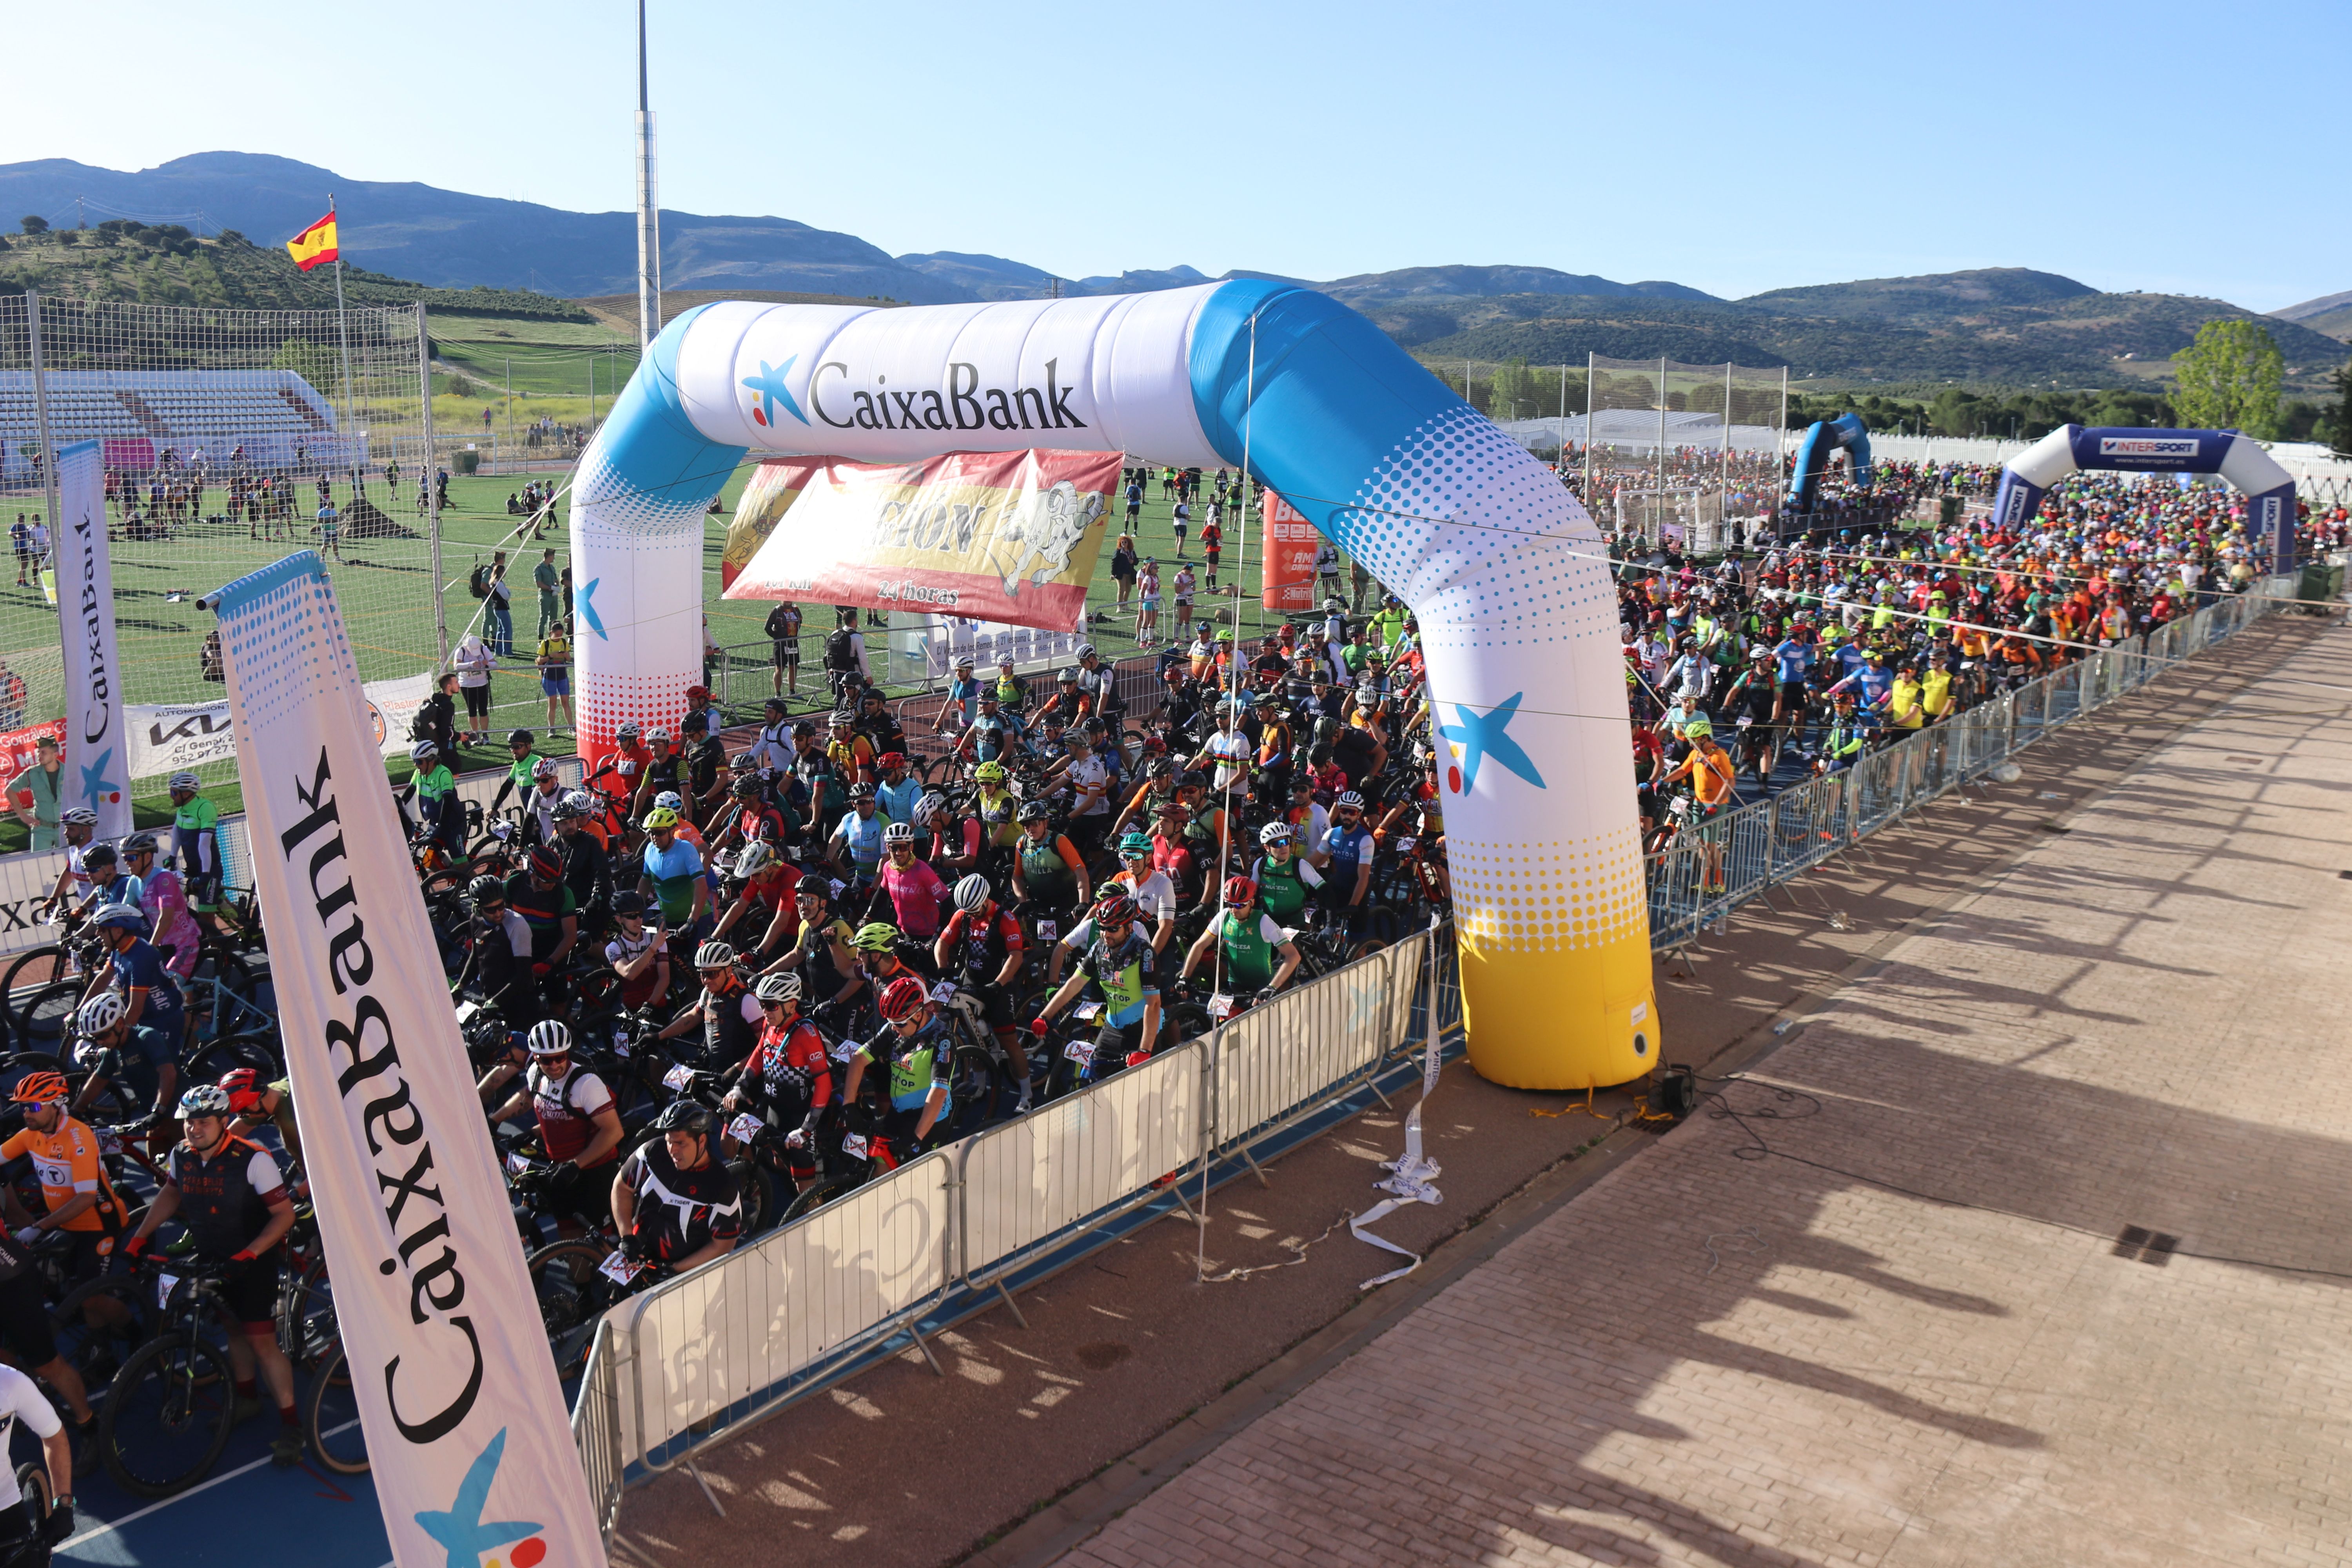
point(572, 1294)
point(331, 1417)
point(167, 1417)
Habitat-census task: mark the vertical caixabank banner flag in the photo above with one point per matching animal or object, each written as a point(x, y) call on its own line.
point(466, 1432)
point(1289, 555)
point(98, 751)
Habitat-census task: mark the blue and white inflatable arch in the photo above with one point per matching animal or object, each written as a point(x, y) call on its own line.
point(1504, 569)
point(2269, 488)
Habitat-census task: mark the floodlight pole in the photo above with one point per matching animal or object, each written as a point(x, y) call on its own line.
point(432, 493)
point(343, 335)
point(648, 206)
point(41, 421)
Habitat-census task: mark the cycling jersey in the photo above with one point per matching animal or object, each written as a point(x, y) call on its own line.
point(225, 1199)
point(682, 1211)
point(66, 1162)
point(139, 964)
point(731, 1021)
point(862, 834)
point(985, 942)
point(1124, 976)
point(566, 1109)
point(1283, 885)
point(1348, 847)
point(163, 899)
point(621, 950)
point(1249, 944)
point(1049, 867)
point(789, 1072)
point(915, 893)
point(1155, 895)
point(897, 800)
point(542, 909)
point(192, 836)
point(673, 872)
point(918, 1066)
point(21, 1399)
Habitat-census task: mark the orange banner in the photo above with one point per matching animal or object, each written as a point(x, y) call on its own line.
point(1290, 546)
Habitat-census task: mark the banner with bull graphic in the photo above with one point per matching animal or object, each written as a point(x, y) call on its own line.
point(990, 536)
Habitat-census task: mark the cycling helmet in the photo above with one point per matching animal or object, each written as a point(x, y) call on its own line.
point(972, 894)
point(1034, 811)
point(139, 844)
point(861, 790)
point(1161, 768)
point(897, 833)
point(1348, 801)
point(840, 719)
point(990, 773)
point(520, 737)
point(658, 732)
point(1068, 677)
point(817, 887)
point(671, 799)
point(205, 1099)
point(543, 769)
point(1274, 833)
point(97, 858)
point(742, 762)
point(181, 781)
point(874, 938)
point(77, 817)
point(423, 752)
point(486, 889)
point(753, 858)
point(546, 864)
point(1192, 778)
point(1240, 893)
point(40, 1088)
point(659, 818)
point(548, 1038)
point(715, 954)
point(890, 759)
point(1115, 908)
point(579, 802)
point(1134, 844)
point(902, 999)
point(628, 903)
point(930, 807)
point(745, 788)
point(684, 1116)
point(242, 1085)
point(626, 732)
point(100, 1013)
point(125, 916)
point(785, 987)
point(1085, 651)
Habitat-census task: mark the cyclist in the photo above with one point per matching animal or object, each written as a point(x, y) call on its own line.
point(982, 948)
point(1119, 963)
point(1345, 858)
point(543, 898)
point(1286, 881)
point(579, 1125)
point(766, 900)
point(618, 771)
point(501, 960)
point(638, 953)
point(820, 953)
point(196, 846)
point(232, 1197)
point(855, 846)
point(77, 822)
point(914, 890)
point(1153, 890)
point(672, 875)
point(1047, 871)
point(522, 776)
point(254, 1104)
point(662, 775)
point(1250, 942)
point(900, 791)
point(440, 814)
point(730, 1015)
point(587, 871)
point(788, 1079)
point(148, 1017)
point(673, 1204)
point(999, 813)
point(542, 803)
point(80, 1200)
point(914, 1047)
point(162, 898)
point(23, 1542)
point(951, 839)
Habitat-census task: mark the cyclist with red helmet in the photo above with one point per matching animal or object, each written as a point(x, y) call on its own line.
point(913, 1047)
point(1118, 963)
point(1259, 957)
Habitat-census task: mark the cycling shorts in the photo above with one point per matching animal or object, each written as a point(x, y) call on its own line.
point(250, 1295)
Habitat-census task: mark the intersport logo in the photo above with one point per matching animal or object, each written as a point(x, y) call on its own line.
point(2147, 446)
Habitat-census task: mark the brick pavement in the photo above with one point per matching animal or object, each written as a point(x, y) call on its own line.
point(1706, 1358)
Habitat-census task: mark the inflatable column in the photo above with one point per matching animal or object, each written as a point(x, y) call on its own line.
point(1504, 570)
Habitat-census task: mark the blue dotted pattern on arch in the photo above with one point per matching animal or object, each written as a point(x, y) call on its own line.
point(652, 472)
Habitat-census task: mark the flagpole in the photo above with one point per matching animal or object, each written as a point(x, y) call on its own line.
point(343, 333)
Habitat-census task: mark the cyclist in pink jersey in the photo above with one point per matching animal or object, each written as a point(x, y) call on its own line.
point(164, 899)
point(914, 890)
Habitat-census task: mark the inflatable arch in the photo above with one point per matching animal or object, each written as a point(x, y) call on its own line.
point(1845, 432)
point(2269, 488)
point(1503, 568)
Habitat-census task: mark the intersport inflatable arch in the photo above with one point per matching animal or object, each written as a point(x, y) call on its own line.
point(1505, 571)
point(2269, 488)
point(1823, 439)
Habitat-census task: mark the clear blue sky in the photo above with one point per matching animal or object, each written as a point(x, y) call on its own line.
point(2194, 149)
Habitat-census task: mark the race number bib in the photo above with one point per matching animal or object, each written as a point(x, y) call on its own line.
point(620, 1269)
point(679, 1079)
point(745, 1128)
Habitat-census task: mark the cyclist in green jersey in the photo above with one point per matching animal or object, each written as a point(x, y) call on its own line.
point(1285, 880)
point(1259, 957)
point(196, 846)
point(521, 780)
point(1046, 871)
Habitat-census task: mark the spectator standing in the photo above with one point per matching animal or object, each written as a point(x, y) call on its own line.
point(555, 674)
point(32, 794)
point(549, 582)
point(475, 661)
point(500, 608)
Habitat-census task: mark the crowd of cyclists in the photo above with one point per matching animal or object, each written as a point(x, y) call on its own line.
point(725, 977)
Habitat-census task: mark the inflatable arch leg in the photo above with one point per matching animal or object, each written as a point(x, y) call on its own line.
point(1500, 564)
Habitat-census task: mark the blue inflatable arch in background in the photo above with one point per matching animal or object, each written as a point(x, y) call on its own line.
point(1845, 433)
point(2269, 488)
point(1505, 571)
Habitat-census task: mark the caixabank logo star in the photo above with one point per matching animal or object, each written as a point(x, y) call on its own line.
point(461, 1532)
point(769, 390)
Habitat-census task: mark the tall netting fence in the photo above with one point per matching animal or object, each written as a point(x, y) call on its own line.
point(223, 434)
point(1668, 452)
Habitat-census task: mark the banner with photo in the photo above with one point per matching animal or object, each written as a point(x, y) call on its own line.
point(95, 737)
point(1291, 543)
point(466, 1432)
point(993, 536)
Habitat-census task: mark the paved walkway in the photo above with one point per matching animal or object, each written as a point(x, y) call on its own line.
point(1722, 1355)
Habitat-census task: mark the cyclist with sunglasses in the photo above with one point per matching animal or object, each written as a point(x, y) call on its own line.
point(1119, 963)
point(1259, 955)
point(912, 1046)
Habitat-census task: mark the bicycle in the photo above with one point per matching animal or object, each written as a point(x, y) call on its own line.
point(166, 1417)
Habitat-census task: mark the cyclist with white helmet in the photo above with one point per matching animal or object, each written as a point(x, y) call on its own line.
point(728, 1013)
point(541, 801)
point(1345, 858)
point(1285, 880)
point(79, 824)
point(914, 890)
point(149, 1016)
point(982, 948)
point(787, 1078)
point(587, 871)
point(765, 900)
point(579, 1125)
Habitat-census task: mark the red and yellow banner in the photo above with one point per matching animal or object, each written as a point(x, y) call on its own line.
point(315, 246)
point(993, 536)
point(1290, 544)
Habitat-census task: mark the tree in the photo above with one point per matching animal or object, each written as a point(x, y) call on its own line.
point(33, 224)
point(2229, 379)
point(2339, 424)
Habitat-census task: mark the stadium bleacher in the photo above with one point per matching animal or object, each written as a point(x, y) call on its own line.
point(280, 419)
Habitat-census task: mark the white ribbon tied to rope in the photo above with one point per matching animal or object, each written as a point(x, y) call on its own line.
point(1411, 1172)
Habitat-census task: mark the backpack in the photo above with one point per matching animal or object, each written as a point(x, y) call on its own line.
point(478, 584)
point(838, 654)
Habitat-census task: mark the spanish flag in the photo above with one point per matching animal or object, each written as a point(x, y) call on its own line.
point(315, 246)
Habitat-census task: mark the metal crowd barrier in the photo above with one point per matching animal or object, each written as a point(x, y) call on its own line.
point(1714, 867)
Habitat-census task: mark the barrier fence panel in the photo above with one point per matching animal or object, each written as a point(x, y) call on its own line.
point(1032, 1180)
point(1290, 1053)
point(824, 1285)
point(596, 1429)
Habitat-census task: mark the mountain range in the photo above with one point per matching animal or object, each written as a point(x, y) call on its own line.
point(1999, 324)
